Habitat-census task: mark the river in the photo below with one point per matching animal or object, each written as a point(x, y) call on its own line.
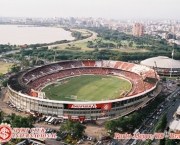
point(23, 34)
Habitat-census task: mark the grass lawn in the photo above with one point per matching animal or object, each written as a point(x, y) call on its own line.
point(131, 50)
point(84, 47)
point(4, 67)
point(87, 88)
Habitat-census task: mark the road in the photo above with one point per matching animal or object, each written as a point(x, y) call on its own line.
point(53, 142)
point(10, 52)
point(170, 109)
point(149, 124)
point(173, 108)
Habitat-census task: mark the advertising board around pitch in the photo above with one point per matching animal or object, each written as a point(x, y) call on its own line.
point(106, 106)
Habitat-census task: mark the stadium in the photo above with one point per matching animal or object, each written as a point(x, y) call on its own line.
point(163, 65)
point(82, 89)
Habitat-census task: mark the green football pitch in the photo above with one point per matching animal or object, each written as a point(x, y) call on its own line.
point(87, 88)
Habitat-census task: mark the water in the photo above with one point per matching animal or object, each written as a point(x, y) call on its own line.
point(20, 35)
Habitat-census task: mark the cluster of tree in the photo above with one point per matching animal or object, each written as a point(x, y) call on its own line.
point(78, 35)
point(105, 54)
point(19, 121)
point(15, 141)
point(98, 43)
point(149, 142)
point(3, 81)
point(45, 44)
point(5, 48)
point(162, 124)
point(1, 116)
point(124, 124)
point(75, 129)
point(147, 42)
point(167, 141)
point(15, 68)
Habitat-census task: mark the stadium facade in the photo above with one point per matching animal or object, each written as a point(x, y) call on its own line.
point(163, 65)
point(143, 79)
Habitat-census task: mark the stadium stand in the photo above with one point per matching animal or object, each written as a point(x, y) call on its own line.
point(141, 77)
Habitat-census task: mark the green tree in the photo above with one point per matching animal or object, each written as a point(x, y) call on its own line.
point(130, 44)
point(31, 119)
point(1, 116)
point(1, 76)
point(119, 44)
point(6, 121)
point(15, 68)
point(134, 120)
point(13, 116)
point(74, 128)
point(33, 62)
point(170, 142)
point(78, 130)
point(162, 142)
point(19, 121)
point(40, 62)
point(4, 83)
point(25, 62)
point(162, 124)
point(111, 125)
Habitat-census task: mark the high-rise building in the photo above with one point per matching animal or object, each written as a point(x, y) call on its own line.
point(72, 20)
point(138, 30)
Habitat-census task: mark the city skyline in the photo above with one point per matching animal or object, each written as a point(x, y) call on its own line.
point(112, 9)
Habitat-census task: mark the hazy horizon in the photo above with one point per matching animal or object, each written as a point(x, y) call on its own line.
point(110, 9)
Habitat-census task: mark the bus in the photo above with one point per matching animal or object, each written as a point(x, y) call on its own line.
point(48, 118)
point(51, 120)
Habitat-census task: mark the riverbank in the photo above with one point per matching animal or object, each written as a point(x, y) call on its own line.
point(74, 42)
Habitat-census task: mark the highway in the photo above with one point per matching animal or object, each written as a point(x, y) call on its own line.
point(169, 109)
point(150, 123)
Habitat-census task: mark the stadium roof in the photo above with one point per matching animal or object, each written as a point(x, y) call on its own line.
point(161, 62)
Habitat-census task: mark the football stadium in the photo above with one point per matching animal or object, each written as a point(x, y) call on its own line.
point(82, 89)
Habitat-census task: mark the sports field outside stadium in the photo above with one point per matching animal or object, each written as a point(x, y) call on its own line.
point(88, 88)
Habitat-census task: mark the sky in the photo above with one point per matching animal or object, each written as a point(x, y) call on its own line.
point(115, 9)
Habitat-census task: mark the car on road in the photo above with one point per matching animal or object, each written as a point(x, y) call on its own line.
point(134, 142)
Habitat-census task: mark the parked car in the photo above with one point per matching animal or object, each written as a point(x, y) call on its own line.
point(58, 138)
